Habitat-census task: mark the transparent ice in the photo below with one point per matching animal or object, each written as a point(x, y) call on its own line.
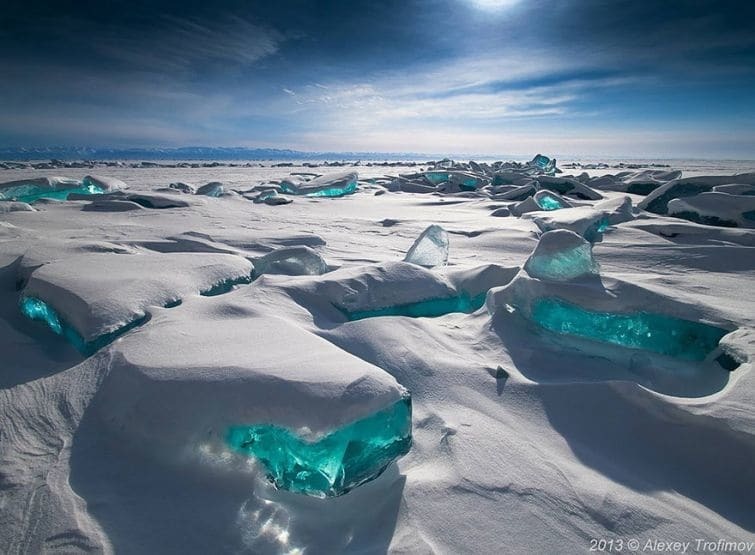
point(424, 309)
point(666, 335)
point(430, 249)
point(334, 464)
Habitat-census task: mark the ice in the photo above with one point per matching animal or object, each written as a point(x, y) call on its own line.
point(548, 201)
point(271, 197)
point(651, 332)
point(715, 208)
point(13, 206)
point(212, 189)
point(37, 309)
point(430, 249)
point(561, 255)
point(568, 186)
point(57, 188)
point(658, 200)
point(333, 185)
point(547, 165)
point(583, 220)
point(48, 188)
point(99, 293)
point(424, 309)
point(182, 187)
point(334, 464)
point(291, 261)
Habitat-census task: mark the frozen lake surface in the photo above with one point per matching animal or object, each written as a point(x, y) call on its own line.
point(261, 377)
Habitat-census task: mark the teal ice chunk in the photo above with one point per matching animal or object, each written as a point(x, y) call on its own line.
point(227, 285)
point(431, 308)
point(561, 255)
point(37, 309)
point(564, 265)
point(213, 189)
point(32, 193)
point(348, 189)
point(430, 249)
point(335, 463)
point(548, 202)
point(547, 165)
point(325, 186)
point(666, 335)
point(437, 177)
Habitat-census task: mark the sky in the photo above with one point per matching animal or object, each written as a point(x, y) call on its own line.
point(659, 79)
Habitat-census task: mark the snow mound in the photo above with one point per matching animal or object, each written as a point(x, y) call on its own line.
point(658, 200)
point(182, 382)
point(715, 208)
point(582, 220)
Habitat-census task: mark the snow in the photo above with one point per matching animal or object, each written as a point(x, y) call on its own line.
point(526, 436)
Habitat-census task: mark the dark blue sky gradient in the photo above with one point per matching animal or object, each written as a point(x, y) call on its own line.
point(634, 78)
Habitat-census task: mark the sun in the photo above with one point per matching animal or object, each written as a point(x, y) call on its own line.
point(492, 5)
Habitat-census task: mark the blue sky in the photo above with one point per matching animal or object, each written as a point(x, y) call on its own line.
point(646, 79)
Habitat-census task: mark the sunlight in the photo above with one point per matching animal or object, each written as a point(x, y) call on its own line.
point(493, 5)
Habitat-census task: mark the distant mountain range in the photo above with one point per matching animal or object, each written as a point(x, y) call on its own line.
point(197, 153)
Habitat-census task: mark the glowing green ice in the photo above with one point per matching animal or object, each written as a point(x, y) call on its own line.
point(666, 335)
point(37, 309)
point(334, 464)
point(350, 188)
point(547, 202)
point(437, 177)
point(424, 309)
point(335, 191)
point(32, 193)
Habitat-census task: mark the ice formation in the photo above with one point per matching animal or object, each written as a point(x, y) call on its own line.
point(544, 163)
point(583, 220)
point(715, 208)
point(561, 255)
point(658, 200)
point(57, 188)
point(212, 189)
point(271, 197)
point(658, 333)
point(291, 261)
point(548, 201)
point(30, 191)
point(333, 185)
point(430, 249)
point(39, 310)
point(430, 308)
point(330, 465)
point(100, 293)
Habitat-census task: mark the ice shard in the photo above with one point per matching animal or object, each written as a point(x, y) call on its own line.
point(658, 333)
point(430, 308)
point(335, 463)
point(335, 185)
point(37, 309)
point(561, 255)
point(212, 189)
point(550, 201)
point(545, 164)
point(291, 261)
point(430, 249)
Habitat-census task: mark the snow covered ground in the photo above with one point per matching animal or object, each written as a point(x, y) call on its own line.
point(524, 440)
